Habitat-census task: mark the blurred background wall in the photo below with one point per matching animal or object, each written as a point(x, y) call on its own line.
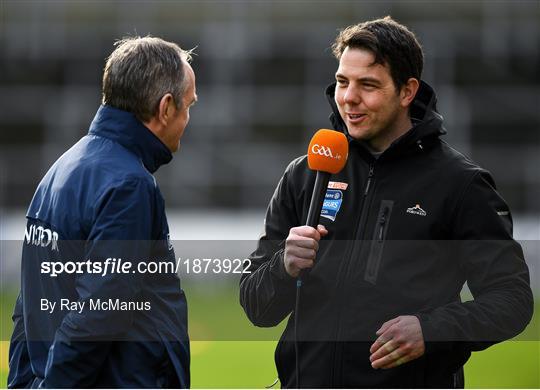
point(261, 72)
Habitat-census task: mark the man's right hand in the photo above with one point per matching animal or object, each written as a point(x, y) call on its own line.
point(301, 248)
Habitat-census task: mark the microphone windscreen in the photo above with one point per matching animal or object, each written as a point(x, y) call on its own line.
point(328, 151)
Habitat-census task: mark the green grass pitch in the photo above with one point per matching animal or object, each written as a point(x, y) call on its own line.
point(216, 363)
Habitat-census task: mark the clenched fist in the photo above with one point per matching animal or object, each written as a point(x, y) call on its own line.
point(301, 248)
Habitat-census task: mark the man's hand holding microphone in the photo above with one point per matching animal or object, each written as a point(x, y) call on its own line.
point(301, 248)
point(327, 155)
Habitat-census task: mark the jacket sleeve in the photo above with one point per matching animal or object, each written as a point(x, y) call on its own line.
point(267, 293)
point(20, 370)
point(495, 270)
point(121, 229)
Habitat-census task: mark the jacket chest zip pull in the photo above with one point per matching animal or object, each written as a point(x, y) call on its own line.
point(419, 143)
point(382, 223)
point(370, 177)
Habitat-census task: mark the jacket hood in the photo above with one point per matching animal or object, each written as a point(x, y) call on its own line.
point(427, 122)
point(124, 128)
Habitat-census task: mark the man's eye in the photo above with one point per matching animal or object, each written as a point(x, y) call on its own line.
point(369, 87)
point(341, 82)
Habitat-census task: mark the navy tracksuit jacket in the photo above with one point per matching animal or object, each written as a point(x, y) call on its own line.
point(98, 201)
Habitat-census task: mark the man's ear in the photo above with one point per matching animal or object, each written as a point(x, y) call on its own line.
point(164, 112)
point(408, 92)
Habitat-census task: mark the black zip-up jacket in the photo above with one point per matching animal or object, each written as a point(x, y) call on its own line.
point(406, 231)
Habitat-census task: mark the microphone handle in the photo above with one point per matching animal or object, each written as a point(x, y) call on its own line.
point(317, 198)
point(314, 213)
point(315, 206)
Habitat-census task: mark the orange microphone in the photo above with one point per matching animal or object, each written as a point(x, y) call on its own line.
point(327, 154)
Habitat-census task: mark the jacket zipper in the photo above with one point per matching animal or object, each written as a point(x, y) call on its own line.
point(370, 177)
point(382, 223)
point(377, 242)
point(359, 222)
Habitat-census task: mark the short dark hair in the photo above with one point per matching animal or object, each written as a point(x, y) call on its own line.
point(140, 71)
point(390, 42)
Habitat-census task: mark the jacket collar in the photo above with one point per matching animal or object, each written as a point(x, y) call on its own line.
point(123, 127)
point(427, 122)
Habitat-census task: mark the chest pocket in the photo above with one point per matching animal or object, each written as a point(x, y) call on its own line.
point(377, 241)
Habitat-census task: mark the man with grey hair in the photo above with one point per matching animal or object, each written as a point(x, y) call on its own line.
point(89, 315)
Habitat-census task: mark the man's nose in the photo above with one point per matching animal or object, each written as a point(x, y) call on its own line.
point(351, 95)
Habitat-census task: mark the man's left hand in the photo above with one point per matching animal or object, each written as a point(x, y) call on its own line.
point(400, 341)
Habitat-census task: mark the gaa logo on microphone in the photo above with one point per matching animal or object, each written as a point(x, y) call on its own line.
point(324, 151)
point(327, 151)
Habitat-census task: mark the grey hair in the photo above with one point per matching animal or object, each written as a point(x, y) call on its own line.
point(140, 71)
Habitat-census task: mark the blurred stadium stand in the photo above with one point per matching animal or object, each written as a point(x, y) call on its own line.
point(261, 71)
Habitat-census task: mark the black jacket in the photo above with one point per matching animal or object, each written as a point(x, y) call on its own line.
point(409, 229)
